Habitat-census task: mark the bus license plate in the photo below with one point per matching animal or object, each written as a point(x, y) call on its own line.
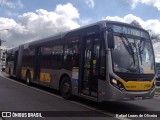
point(137, 98)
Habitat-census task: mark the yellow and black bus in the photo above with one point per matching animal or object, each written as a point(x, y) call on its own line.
point(104, 61)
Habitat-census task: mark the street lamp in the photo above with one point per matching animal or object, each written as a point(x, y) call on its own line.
point(0, 38)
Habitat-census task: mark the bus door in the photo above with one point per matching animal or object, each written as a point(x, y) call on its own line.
point(90, 65)
point(37, 64)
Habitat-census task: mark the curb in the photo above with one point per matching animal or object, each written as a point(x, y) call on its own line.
point(157, 93)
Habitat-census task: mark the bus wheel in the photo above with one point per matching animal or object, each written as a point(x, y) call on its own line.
point(66, 88)
point(28, 78)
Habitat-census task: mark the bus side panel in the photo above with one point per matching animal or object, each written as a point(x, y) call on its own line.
point(19, 62)
point(102, 90)
point(24, 71)
point(7, 69)
point(46, 76)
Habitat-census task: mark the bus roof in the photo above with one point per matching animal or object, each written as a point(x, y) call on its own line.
point(62, 34)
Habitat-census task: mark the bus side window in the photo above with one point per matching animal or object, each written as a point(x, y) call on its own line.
point(45, 57)
point(25, 57)
point(75, 50)
point(67, 56)
point(57, 56)
point(71, 54)
point(10, 58)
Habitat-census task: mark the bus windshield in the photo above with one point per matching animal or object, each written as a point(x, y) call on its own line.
point(132, 55)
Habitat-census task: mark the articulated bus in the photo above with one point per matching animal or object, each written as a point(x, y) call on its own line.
point(104, 61)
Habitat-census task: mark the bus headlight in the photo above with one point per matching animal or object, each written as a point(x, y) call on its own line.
point(114, 81)
point(117, 84)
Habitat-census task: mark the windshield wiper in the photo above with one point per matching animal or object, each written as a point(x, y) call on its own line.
point(133, 68)
point(141, 48)
point(128, 46)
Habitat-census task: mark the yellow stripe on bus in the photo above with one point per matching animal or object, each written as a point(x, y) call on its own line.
point(7, 70)
point(31, 71)
point(11, 71)
point(45, 77)
point(148, 71)
point(23, 73)
point(137, 85)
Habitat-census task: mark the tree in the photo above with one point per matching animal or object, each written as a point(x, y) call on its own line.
point(154, 37)
point(136, 23)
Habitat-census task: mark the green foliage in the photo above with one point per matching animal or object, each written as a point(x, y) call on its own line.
point(154, 37)
point(136, 23)
point(158, 90)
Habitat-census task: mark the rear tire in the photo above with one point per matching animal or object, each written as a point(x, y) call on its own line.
point(28, 78)
point(66, 88)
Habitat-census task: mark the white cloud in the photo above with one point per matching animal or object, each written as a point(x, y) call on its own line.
point(90, 3)
point(152, 24)
point(155, 3)
point(10, 13)
point(157, 52)
point(39, 24)
point(13, 5)
point(85, 21)
point(72, 12)
point(7, 23)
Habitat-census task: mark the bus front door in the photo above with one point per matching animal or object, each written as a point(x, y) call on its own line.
point(90, 65)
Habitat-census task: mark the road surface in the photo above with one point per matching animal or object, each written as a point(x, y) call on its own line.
point(17, 96)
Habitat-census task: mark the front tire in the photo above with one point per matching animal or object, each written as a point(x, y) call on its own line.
point(66, 88)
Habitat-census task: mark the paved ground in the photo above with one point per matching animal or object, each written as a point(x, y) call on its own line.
point(17, 96)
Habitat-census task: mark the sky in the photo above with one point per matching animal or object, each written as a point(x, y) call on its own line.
point(28, 20)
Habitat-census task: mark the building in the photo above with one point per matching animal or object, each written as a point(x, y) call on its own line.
point(2, 57)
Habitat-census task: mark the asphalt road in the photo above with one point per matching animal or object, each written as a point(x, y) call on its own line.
point(17, 96)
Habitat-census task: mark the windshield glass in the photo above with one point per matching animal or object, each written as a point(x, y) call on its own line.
point(147, 59)
point(132, 55)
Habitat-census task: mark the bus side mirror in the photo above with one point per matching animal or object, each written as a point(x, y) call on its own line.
point(110, 39)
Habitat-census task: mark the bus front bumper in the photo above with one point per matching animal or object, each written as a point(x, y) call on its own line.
point(115, 94)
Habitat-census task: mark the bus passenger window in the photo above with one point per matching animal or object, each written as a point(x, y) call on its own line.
point(75, 49)
point(27, 58)
point(71, 54)
point(67, 56)
point(45, 57)
point(88, 54)
point(57, 55)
